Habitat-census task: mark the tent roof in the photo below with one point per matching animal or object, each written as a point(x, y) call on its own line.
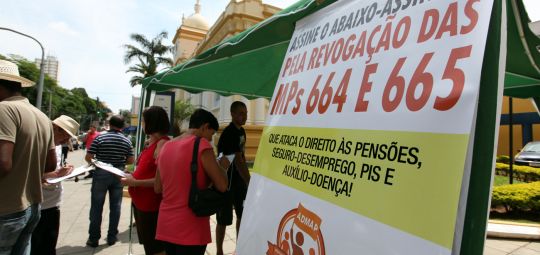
point(248, 63)
point(522, 77)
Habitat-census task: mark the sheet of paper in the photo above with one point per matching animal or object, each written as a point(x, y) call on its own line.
point(230, 157)
point(76, 171)
point(109, 168)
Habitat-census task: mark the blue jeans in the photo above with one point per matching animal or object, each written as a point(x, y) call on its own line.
point(16, 230)
point(102, 182)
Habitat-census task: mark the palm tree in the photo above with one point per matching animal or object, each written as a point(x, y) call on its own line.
point(149, 53)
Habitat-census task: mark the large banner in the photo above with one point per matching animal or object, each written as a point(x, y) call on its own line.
point(369, 129)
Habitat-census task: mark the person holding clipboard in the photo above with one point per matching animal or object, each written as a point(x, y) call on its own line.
point(115, 149)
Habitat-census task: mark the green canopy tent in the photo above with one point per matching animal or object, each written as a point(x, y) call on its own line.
point(248, 64)
point(522, 77)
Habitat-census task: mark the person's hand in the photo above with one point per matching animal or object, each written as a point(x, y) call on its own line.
point(46, 185)
point(224, 162)
point(128, 180)
point(63, 171)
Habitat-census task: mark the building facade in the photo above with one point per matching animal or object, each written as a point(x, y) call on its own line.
point(195, 35)
point(525, 123)
point(51, 66)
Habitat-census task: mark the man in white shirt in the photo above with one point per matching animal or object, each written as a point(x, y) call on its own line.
point(45, 235)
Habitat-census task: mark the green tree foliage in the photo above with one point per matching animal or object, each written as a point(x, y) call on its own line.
point(126, 114)
point(57, 100)
point(149, 55)
point(182, 111)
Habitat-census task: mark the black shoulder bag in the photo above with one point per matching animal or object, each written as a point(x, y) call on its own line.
point(204, 202)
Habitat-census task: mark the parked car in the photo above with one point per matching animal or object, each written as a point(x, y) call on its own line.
point(529, 155)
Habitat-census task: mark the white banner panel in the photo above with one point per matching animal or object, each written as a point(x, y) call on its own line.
point(368, 131)
point(409, 67)
point(354, 232)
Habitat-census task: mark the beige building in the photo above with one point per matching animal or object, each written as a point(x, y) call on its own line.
point(195, 35)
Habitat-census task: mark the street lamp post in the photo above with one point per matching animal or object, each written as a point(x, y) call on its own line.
point(41, 66)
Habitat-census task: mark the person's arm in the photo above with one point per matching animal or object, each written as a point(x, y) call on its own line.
point(128, 180)
point(62, 171)
point(230, 143)
point(216, 172)
point(158, 148)
point(88, 158)
point(6, 157)
point(8, 134)
point(130, 160)
point(52, 157)
point(157, 183)
point(241, 167)
point(92, 151)
point(50, 163)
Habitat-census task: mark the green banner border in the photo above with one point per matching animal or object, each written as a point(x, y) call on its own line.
point(476, 215)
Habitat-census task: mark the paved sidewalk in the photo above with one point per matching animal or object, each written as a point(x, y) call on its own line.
point(74, 226)
point(74, 222)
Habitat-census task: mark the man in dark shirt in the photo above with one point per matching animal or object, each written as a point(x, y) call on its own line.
point(233, 141)
point(115, 149)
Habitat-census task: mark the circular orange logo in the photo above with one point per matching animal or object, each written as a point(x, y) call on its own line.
point(299, 233)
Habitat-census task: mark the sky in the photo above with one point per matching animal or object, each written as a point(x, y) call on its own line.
point(87, 37)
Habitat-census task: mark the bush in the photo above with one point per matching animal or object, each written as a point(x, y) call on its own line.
point(522, 173)
point(133, 140)
point(517, 197)
point(503, 159)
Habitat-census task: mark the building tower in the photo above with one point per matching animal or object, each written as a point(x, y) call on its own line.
point(51, 66)
point(188, 36)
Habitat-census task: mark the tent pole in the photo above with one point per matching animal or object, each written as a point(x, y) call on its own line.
point(511, 139)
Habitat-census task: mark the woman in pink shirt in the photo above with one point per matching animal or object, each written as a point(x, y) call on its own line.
point(180, 229)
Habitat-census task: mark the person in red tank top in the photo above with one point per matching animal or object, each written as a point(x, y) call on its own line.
point(145, 201)
point(90, 136)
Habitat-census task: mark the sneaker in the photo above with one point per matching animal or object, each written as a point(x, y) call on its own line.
point(92, 243)
point(112, 241)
